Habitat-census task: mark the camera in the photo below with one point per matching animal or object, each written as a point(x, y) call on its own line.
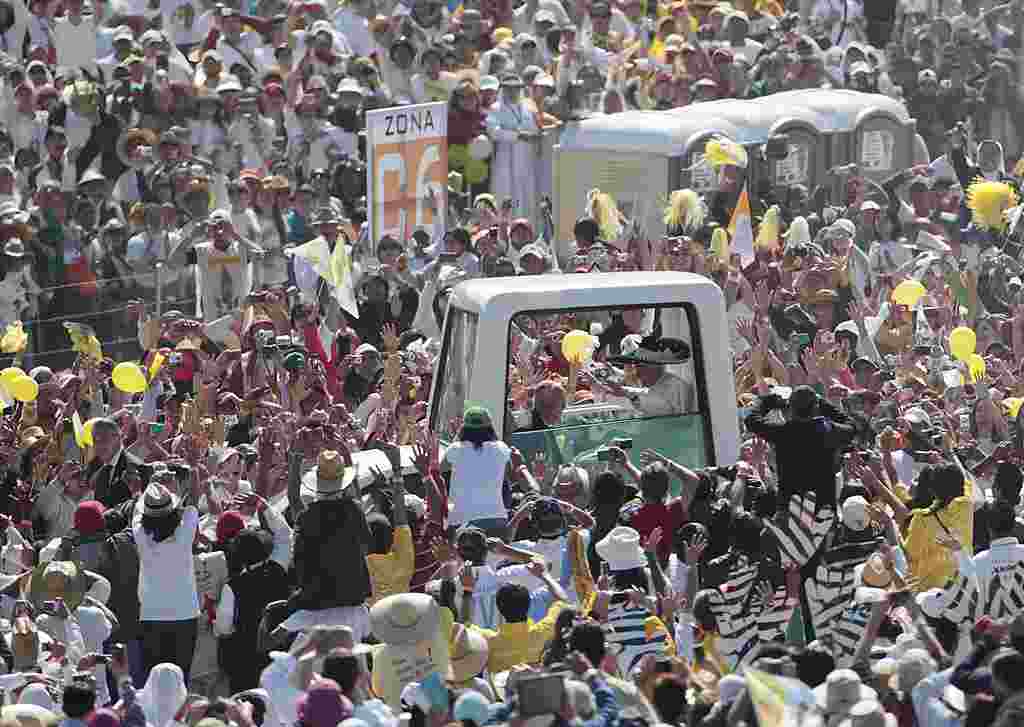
point(266, 341)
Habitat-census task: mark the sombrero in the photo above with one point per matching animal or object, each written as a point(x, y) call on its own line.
point(405, 619)
point(652, 350)
point(57, 579)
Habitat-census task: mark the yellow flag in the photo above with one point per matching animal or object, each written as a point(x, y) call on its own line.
point(76, 422)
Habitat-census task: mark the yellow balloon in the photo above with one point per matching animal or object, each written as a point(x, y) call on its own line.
point(908, 293)
point(24, 388)
point(10, 374)
point(577, 347)
point(128, 377)
point(976, 364)
point(1012, 405)
point(962, 342)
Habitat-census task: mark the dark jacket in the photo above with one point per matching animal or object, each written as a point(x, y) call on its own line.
point(806, 450)
point(111, 488)
point(119, 564)
point(254, 589)
point(331, 543)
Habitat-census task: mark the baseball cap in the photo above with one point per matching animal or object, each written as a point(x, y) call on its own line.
point(489, 83)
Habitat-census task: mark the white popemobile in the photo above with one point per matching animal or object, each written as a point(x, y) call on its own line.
point(475, 358)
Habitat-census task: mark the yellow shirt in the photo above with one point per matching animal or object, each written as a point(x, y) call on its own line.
point(931, 564)
point(520, 643)
point(391, 572)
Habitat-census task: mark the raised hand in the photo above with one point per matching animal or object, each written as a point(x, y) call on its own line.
point(389, 337)
point(695, 549)
point(653, 540)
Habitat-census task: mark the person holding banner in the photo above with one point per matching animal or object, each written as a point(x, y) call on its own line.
point(516, 149)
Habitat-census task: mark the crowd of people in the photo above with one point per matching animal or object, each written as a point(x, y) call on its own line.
point(215, 377)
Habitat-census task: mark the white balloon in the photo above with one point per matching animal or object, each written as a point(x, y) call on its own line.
point(481, 148)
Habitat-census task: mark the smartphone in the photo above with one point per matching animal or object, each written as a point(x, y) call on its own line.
point(603, 455)
point(542, 695)
point(623, 443)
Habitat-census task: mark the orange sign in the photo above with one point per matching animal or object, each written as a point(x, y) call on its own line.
point(408, 161)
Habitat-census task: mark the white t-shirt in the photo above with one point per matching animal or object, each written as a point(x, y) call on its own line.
point(162, 598)
point(76, 44)
point(477, 477)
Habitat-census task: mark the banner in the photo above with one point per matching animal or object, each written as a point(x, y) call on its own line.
point(407, 158)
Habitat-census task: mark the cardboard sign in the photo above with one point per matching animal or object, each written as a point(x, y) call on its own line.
point(407, 149)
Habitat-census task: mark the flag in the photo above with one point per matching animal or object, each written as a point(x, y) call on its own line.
point(782, 701)
point(76, 422)
point(741, 230)
point(341, 278)
point(335, 268)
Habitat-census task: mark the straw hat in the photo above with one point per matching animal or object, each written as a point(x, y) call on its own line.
point(405, 619)
point(873, 573)
point(56, 579)
point(468, 654)
point(841, 691)
point(330, 471)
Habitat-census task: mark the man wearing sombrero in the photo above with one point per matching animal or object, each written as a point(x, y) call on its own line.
point(662, 393)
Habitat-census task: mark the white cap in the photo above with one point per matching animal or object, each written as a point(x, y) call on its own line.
point(855, 513)
point(349, 85)
point(489, 83)
point(621, 549)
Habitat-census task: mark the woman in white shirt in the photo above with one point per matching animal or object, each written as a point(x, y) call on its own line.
point(164, 530)
point(478, 461)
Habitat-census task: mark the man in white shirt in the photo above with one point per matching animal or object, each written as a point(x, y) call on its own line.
point(74, 37)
